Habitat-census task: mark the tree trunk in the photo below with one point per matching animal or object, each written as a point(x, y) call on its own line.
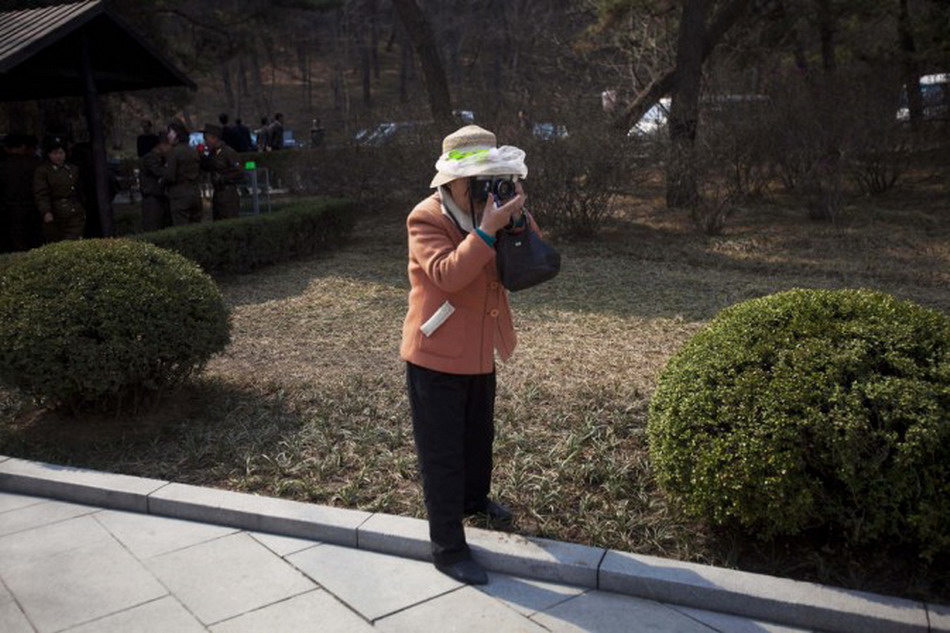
point(664, 85)
point(260, 100)
point(826, 30)
point(910, 67)
point(367, 72)
point(303, 63)
point(423, 41)
point(226, 82)
point(374, 38)
point(681, 188)
point(405, 67)
point(94, 122)
point(798, 48)
point(824, 184)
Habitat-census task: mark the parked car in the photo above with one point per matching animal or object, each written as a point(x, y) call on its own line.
point(464, 117)
point(392, 131)
point(548, 131)
point(935, 94)
point(654, 120)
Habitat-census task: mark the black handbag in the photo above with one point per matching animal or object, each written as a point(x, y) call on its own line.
point(524, 259)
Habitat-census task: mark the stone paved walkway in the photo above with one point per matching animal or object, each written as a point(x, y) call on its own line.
point(84, 569)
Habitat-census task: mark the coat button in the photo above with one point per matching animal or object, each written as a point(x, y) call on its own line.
point(493, 285)
point(493, 312)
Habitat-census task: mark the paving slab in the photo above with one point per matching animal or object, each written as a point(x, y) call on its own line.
point(164, 615)
point(528, 596)
point(79, 585)
point(10, 501)
point(372, 584)
point(227, 577)
point(4, 458)
point(315, 610)
point(725, 623)
point(757, 596)
point(80, 485)
point(258, 514)
point(12, 618)
point(57, 539)
point(396, 535)
point(939, 618)
point(464, 610)
point(147, 536)
point(36, 515)
point(542, 559)
point(283, 545)
point(606, 612)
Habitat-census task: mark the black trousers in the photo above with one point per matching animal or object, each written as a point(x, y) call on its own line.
point(453, 424)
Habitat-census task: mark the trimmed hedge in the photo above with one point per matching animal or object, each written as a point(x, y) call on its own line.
point(243, 244)
point(105, 322)
point(812, 408)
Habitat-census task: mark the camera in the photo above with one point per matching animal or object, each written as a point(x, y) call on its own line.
point(503, 188)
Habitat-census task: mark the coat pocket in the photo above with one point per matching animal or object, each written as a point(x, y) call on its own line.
point(443, 334)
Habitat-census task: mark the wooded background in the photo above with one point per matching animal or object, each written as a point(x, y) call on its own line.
point(815, 84)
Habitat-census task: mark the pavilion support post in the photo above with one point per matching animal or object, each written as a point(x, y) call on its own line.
point(94, 123)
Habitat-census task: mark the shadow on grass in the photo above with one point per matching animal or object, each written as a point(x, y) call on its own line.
point(200, 434)
point(816, 556)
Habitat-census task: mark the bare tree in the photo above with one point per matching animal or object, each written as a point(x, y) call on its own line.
point(424, 43)
point(911, 67)
point(684, 115)
point(727, 17)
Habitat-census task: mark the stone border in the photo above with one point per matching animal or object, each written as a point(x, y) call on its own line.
point(778, 600)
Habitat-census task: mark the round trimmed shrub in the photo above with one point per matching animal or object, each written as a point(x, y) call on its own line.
point(102, 321)
point(812, 408)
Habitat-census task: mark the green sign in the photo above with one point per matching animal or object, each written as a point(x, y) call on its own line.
point(249, 165)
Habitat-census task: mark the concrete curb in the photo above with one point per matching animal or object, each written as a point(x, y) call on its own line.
point(778, 600)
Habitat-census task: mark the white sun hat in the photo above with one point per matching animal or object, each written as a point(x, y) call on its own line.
point(471, 151)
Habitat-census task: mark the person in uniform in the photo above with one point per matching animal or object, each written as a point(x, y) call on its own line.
point(244, 137)
point(155, 214)
point(457, 321)
point(182, 169)
point(145, 141)
point(23, 228)
point(276, 132)
point(263, 135)
point(226, 174)
point(56, 192)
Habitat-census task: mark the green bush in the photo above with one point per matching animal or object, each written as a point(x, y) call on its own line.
point(812, 408)
point(243, 244)
point(105, 322)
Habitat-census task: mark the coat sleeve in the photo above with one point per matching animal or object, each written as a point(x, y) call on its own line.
point(152, 163)
point(171, 167)
point(450, 267)
point(41, 192)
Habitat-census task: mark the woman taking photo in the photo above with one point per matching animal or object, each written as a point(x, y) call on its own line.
point(458, 319)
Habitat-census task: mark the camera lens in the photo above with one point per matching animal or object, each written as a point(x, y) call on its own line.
point(504, 189)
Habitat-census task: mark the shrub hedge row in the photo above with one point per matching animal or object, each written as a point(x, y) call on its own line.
point(243, 244)
point(105, 322)
point(813, 409)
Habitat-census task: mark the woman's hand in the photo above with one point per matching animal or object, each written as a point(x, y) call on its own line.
point(48, 218)
point(496, 218)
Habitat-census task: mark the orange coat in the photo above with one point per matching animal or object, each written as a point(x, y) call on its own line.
point(447, 265)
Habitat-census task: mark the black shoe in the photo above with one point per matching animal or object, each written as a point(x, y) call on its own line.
point(496, 514)
point(465, 571)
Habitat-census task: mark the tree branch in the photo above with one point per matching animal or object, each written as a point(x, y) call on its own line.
point(665, 84)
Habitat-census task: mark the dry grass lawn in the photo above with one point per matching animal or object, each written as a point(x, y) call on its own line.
point(308, 401)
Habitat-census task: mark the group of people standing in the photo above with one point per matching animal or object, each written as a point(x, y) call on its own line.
point(270, 135)
point(170, 173)
point(41, 198)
